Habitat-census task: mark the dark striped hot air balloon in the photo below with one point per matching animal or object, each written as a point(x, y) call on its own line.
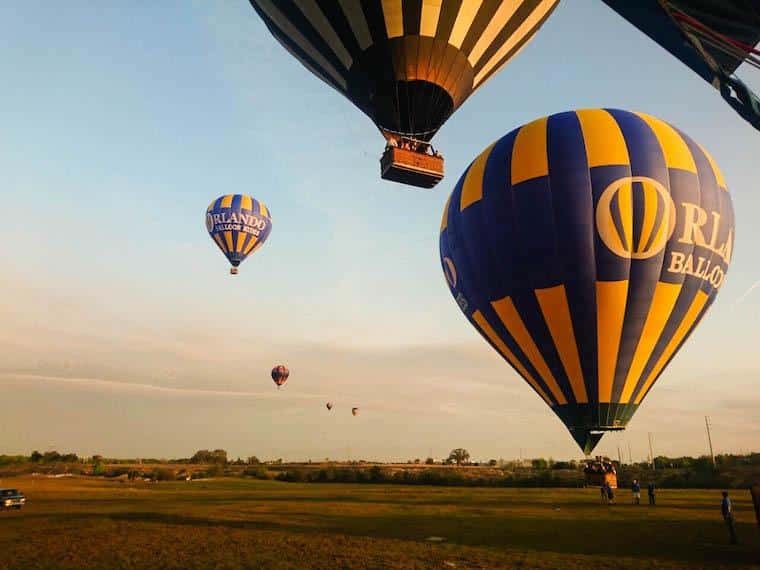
point(329, 405)
point(239, 225)
point(585, 248)
point(407, 65)
point(280, 374)
point(354, 411)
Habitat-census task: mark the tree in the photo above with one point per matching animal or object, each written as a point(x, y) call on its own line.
point(539, 463)
point(253, 460)
point(36, 456)
point(492, 463)
point(459, 456)
point(429, 461)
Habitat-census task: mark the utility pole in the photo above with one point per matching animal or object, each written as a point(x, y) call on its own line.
point(709, 440)
point(651, 453)
point(630, 457)
point(620, 457)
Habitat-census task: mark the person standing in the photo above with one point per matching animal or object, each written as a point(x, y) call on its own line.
point(603, 491)
point(636, 490)
point(610, 494)
point(650, 492)
point(728, 516)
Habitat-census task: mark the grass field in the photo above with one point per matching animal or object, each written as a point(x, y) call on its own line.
point(234, 523)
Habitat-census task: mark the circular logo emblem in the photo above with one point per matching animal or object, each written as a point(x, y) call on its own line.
point(450, 272)
point(640, 231)
point(209, 222)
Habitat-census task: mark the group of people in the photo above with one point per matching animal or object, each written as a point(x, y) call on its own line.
point(607, 493)
point(413, 145)
point(726, 509)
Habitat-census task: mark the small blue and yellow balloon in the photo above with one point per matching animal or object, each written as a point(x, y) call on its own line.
point(239, 225)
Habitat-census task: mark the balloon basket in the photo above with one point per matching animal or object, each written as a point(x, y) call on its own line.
point(233, 270)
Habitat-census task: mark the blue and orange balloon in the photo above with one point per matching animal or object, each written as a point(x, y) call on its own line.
point(280, 375)
point(586, 247)
point(239, 225)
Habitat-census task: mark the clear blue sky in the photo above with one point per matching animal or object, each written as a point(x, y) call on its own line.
point(123, 333)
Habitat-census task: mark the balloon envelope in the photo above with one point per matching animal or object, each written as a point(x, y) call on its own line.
point(329, 405)
point(354, 411)
point(407, 65)
point(585, 247)
point(280, 374)
point(239, 225)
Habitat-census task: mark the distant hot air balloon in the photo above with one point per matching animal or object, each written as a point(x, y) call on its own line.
point(585, 248)
point(280, 375)
point(407, 65)
point(239, 225)
point(329, 405)
point(354, 411)
point(712, 37)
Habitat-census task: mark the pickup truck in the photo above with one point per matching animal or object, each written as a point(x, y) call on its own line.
point(11, 499)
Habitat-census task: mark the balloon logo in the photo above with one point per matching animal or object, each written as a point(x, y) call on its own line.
point(617, 220)
point(589, 245)
point(239, 225)
point(450, 272)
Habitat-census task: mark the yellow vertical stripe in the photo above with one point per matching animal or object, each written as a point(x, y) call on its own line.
point(250, 245)
point(445, 218)
point(674, 148)
point(228, 240)
point(358, 22)
point(718, 174)
point(394, 18)
point(502, 15)
point(508, 354)
point(688, 321)
point(611, 298)
point(556, 311)
point(508, 314)
point(604, 140)
point(227, 201)
point(526, 28)
point(663, 301)
point(625, 204)
point(263, 209)
point(472, 187)
point(465, 16)
point(431, 12)
point(240, 240)
point(220, 243)
point(529, 153)
point(651, 201)
point(246, 203)
point(322, 25)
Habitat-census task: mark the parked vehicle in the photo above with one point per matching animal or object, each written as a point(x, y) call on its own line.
point(11, 499)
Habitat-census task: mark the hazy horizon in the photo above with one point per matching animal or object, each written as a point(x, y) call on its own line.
point(125, 336)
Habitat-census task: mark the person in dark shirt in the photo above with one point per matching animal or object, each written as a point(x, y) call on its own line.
point(650, 492)
point(636, 491)
point(728, 516)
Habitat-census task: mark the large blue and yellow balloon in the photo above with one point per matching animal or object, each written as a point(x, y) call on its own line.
point(239, 225)
point(585, 247)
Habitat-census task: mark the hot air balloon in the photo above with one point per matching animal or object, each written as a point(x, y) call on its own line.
point(354, 411)
point(329, 405)
point(407, 65)
point(239, 225)
point(712, 37)
point(280, 375)
point(585, 247)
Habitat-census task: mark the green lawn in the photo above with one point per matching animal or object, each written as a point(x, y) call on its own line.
point(233, 523)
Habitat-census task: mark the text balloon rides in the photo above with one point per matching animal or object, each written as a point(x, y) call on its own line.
point(407, 65)
point(239, 225)
point(280, 374)
point(585, 248)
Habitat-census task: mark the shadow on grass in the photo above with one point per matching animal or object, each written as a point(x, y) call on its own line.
point(702, 542)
